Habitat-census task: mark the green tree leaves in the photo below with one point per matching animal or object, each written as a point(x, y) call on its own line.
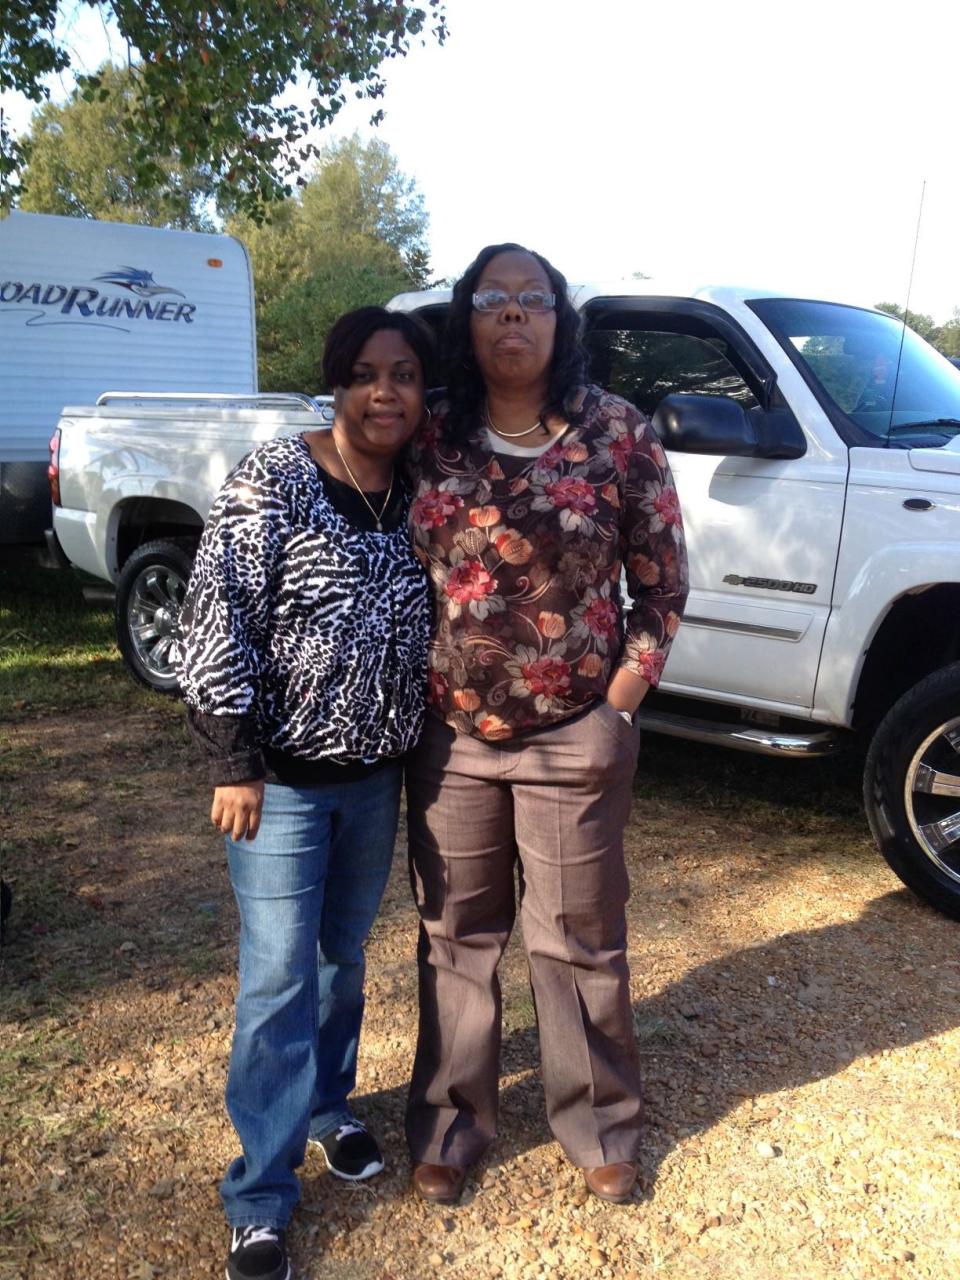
point(28, 54)
point(292, 328)
point(948, 338)
point(210, 77)
point(83, 164)
point(355, 236)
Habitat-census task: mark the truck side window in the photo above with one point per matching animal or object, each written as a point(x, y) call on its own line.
point(643, 366)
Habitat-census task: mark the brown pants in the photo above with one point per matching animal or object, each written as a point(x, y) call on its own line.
point(558, 800)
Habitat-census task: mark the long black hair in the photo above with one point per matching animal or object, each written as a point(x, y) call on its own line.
point(465, 386)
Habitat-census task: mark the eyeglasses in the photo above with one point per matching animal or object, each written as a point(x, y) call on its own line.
point(533, 300)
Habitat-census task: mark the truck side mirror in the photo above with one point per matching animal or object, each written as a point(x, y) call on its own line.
point(691, 423)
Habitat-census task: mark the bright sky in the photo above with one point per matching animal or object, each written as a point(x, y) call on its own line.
point(777, 145)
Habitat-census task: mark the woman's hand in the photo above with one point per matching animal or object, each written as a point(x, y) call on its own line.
point(236, 810)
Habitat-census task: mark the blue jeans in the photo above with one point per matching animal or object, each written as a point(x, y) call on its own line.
point(308, 888)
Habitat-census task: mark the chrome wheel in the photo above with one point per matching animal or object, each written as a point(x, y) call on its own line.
point(932, 797)
point(150, 592)
point(911, 788)
point(153, 607)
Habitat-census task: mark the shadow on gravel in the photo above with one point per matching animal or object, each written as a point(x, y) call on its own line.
point(116, 874)
point(120, 884)
point(776, 797)
point(778, 1016)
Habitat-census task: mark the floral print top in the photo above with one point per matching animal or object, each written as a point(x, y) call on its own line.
point(525, 558)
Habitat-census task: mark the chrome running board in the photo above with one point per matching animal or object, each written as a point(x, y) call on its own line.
point(767, 742)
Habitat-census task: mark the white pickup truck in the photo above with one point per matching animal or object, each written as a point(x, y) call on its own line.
point(816, 449)
point(132, 479)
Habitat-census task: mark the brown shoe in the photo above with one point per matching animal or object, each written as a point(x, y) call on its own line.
point(441, 1183)
point(611, 1181)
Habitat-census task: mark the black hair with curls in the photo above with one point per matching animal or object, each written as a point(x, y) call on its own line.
point(353, 330)
point(465, 387)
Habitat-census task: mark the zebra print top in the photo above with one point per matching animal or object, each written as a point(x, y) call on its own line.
point(296, 618)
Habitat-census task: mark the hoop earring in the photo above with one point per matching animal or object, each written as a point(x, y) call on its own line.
point(426, 410)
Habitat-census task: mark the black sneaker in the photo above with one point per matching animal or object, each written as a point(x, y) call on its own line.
point(350, 1152)
point(257, 1253)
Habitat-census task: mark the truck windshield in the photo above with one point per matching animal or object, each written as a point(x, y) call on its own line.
point(903, 396)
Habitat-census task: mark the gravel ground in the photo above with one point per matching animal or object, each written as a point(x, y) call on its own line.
point(797, 1013)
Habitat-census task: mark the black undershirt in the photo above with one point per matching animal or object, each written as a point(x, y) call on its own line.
point(346, 501)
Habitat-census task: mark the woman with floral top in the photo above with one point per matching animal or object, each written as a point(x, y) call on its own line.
point(532, 492)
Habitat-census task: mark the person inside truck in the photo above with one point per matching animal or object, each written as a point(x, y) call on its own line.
point(877, 392)
point(531, 489)
point(302, 661)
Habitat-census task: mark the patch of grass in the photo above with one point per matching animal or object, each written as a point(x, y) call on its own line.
point(31, 1000)
point(651, 1031)
point(11, 1217)
point(518, 1012)
point(46, 839)
point(42, 901)
point(201, 960)
point(18, 759)
point(101, 1118)
point(56, 652)
point(98, 941)
point(57, 944)
point(51, 1126)
point(35, 1050)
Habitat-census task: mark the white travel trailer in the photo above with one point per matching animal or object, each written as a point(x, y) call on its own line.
point(89, 307)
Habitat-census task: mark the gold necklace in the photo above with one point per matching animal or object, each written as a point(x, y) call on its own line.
point(511, 435)
point(369, 505)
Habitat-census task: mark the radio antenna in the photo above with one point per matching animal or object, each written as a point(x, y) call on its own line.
point(906, 310)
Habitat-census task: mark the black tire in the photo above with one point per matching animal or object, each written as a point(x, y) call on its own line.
point(150, 590)
point(911, 789)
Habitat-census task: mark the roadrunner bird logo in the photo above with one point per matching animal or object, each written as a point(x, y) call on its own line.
point(137, 281)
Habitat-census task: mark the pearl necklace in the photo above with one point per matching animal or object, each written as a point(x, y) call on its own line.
point(386, 502)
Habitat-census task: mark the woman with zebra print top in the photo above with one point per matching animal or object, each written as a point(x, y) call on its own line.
point(303, 658)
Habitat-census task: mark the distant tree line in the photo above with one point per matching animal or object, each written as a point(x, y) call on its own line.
point(945, 337)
